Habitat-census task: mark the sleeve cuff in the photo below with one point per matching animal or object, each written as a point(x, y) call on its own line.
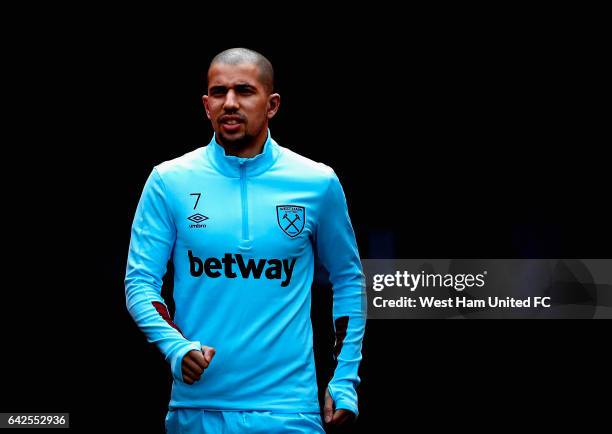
point(342, 401)
point(176, 361)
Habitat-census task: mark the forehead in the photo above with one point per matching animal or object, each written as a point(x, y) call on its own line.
point(223, 74)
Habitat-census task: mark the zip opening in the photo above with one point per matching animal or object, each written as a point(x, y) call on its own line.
point(245, 203)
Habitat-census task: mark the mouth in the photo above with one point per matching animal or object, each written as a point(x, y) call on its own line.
point(230, 124)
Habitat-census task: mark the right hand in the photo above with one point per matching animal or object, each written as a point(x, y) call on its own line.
point(195, 362)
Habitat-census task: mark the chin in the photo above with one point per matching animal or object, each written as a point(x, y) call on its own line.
point(235, 140)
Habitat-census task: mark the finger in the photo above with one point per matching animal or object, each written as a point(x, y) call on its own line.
point(193, 374)
point(328, 409)
point(187, 379)
point(209, 353)
point(199, 359)
point(338, 418)
point(193, 365)
point(341, 417)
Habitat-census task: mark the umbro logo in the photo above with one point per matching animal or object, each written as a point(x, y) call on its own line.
point(197, 218)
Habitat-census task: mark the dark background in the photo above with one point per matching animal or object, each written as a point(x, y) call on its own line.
point(454, 137)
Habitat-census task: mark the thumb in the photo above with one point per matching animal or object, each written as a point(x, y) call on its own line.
point(209, 353)
point(328, 409)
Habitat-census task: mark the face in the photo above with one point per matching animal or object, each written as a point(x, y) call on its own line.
point(238, 105)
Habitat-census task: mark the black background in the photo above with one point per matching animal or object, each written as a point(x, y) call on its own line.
point(453, 135)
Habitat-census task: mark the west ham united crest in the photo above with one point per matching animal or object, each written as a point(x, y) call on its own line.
point(291, 219)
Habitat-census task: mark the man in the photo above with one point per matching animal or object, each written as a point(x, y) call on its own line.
point(242, 220)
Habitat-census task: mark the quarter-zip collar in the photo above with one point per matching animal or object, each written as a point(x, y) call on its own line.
point(230, 165)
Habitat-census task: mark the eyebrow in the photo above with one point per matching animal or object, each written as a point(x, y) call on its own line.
point(245, 86)
point(217, 89)
point(239, 87)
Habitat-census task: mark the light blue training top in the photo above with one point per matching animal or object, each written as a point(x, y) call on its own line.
point(243, 234)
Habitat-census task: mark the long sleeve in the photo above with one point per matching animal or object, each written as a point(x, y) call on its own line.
point(338, 253)
point(152, 240)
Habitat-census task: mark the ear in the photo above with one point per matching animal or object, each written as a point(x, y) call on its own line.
point(205, 101)
point(273, 105)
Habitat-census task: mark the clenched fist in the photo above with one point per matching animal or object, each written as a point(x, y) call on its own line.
point(339, 418)
point(195, 362)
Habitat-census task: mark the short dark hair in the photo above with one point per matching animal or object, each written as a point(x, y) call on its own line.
point(237, 56)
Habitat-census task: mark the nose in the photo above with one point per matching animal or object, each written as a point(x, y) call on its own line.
point(231, 102)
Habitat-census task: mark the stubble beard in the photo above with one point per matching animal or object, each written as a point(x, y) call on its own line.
point(237, 143)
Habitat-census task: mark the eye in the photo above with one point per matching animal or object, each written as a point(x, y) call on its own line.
point(216, 91)
point(245, 90)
